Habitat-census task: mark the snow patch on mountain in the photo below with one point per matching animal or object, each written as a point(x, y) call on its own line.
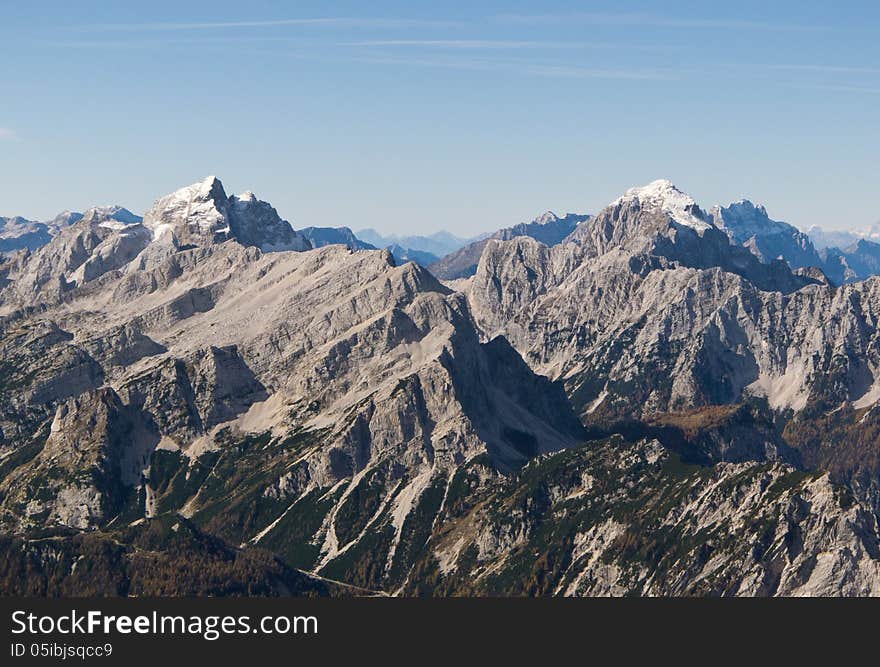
point(663, 194)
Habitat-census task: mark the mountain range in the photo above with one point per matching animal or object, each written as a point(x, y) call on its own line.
point(657, 399)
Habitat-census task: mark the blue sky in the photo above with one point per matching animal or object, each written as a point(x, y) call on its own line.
point(411, 116)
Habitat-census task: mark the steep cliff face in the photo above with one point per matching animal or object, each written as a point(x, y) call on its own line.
point(78, 477)
point(618, 518)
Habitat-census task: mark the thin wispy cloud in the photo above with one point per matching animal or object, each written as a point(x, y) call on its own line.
point(161, 42)
point(519, 67)
point(842, 88)
point(501, 44)
point(468, 44)
point(575, 72)
point(6, 134)
point(338, 22)
point(650, 20)
point(829, 69)
point(813, 76)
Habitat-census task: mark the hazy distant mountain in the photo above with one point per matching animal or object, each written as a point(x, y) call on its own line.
point(857, 261)
point(547, 228)
point(423, 250)
point(831, 238)
point(438, 244)
point(402, 255)
point(844, 256)
point(850, 255)
point(18, 233)
point(749, 225)
point(65, 219)
point(836, 238)
point(324, 236)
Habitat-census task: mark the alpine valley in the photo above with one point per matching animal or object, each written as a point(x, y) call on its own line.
point(653, 400)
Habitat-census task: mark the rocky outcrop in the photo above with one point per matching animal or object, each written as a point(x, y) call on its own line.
point(40, 366)
point(628, 519)
point(547, 228)
point(78, 477)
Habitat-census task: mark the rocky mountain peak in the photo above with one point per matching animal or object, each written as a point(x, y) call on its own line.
point(254, 222)
point(104, 214)
point(202, 214)
point(193, 214)
point(663, 195)
point(64, 219)
point(749, 225)
point(743, 219)
point(546, 218)
point(747, 206)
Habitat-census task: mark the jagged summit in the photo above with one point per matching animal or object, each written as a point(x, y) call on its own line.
point(749, 225)
point(742, 219)
point(202, 214)
point(743, 208)
point(194, 210)
point(663, 194)
point(109, 238)
point(546, 218)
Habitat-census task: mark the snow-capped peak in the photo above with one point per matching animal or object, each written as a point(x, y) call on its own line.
point(207, 184)
point(663, 194)
point(201, 205)
point(207, 189)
